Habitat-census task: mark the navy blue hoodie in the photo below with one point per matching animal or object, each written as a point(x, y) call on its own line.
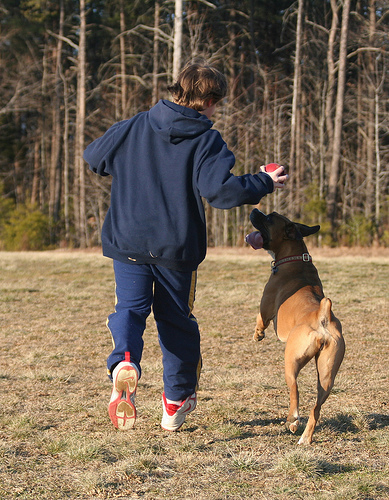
point(163, 162)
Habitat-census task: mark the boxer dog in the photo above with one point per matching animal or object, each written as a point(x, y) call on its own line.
point(302, 316)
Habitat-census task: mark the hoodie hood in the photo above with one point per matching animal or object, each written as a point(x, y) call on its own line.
point(175, 123)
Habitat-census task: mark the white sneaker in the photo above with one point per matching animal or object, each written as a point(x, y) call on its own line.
point(174, 414)
point(121, 408)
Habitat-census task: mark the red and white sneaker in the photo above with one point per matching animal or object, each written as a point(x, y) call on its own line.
point(121, 408)
point(174, 414)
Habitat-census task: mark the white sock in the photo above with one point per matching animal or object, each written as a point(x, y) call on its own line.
point(170, 402)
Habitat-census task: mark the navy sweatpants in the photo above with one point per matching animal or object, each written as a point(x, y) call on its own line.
point(171, 295)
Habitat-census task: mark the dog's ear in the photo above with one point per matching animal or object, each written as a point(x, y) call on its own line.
point(296, 231)
point(292, 231)
point(306, 230)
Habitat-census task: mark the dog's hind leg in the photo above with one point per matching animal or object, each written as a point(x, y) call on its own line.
point(300, 348)
point(291, 372)
point(293, 366)
point(328, 361)
point(323, 390)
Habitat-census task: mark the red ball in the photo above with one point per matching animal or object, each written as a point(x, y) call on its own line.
point(270, 167)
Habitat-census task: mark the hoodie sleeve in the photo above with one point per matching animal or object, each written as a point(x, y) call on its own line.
point(220, 187)
point(99, 154)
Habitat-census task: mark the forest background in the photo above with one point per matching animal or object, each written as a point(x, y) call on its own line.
point(308, 88)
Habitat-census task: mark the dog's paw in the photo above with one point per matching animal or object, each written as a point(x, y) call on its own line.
point(292, 426)
point(305, 440)
point(258, 335)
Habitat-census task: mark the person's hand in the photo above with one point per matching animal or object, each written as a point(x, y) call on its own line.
point(278, 176)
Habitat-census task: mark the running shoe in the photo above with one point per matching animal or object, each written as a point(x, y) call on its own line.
point(121, 409)
point(174, 414)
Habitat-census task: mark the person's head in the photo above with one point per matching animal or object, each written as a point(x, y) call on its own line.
point(199, 86)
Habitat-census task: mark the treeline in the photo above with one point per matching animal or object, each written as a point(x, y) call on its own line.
point(308, 88)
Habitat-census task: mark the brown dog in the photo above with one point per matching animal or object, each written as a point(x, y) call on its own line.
point(293, 298)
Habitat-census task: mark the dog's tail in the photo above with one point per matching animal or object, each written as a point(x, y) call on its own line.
point(325, 312)
point(325, 316)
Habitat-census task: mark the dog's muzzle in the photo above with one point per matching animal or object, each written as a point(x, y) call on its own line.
point(259, 220)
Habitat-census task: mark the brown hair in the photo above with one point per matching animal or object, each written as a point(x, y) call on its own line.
point(197, 84)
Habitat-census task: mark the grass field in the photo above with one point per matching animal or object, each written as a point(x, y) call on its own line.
point(56, 438)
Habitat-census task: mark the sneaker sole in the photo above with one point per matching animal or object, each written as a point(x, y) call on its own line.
point(122, 412)
point(173, 429)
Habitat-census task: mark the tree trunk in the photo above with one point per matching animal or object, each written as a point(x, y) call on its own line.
point(177, 39)
point(35, 178)
point(331, 75)
point(336, 152)
point(55, 167)
point(66, 187)
point(80, 207)
point(378, 160)
point(123, 75)
point(43, 131)
point(371, 112)
point(295, 103)
point(155, 96)
point(322, 155)
point(378, 90)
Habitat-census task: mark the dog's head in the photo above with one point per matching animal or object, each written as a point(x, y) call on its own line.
point(276, 228)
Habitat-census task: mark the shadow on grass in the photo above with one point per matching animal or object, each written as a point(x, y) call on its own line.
point(346, 422)
point(330, 469)
point(343, 423)
point(377, 421)
point(262, 422)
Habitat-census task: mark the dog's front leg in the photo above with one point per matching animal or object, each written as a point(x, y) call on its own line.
point(267, 311)
point(260, 328)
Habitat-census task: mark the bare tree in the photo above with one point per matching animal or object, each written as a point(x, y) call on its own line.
point(155, 96)
point(336, 152)
point(123, 75)
point(79, 188)
point(371, 111)
point(331, 74)
point(55, 167)
point(66, 166)
point(178, 22)
point(294, 161)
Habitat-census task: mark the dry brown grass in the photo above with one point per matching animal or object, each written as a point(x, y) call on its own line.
point(57, 441)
